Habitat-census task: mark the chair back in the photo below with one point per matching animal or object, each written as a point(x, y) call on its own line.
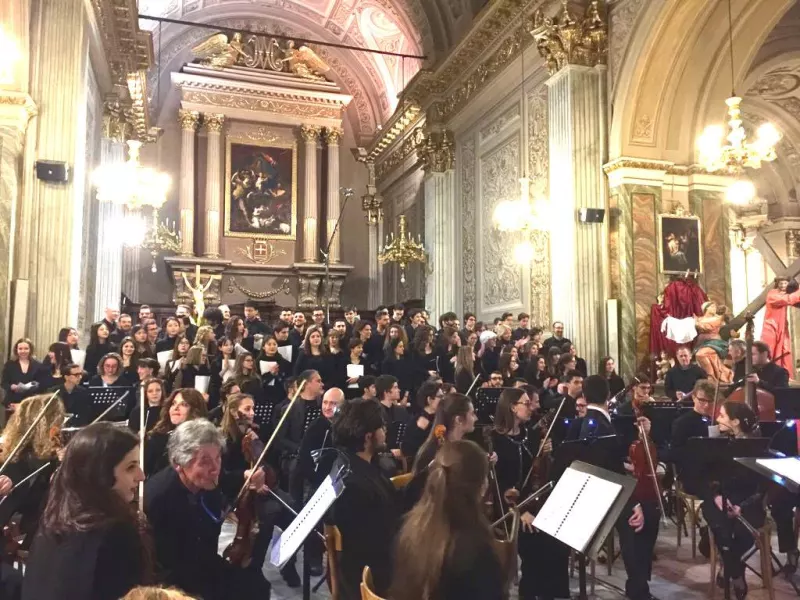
point(333, 547)
point(401, 481)
point(367, 586)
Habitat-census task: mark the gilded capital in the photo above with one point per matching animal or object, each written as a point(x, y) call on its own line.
point(214, 122)
point(333, 136)
point(115, 123)
point(569, 40)
point(188, 119)
point(16, 110)
point(310, 133)
point(437, 152)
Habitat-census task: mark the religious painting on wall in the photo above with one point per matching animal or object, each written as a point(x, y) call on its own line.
point(261, 190)
point(681, 244)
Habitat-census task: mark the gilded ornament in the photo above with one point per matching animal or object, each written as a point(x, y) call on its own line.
point(214, 122)
point(218, 52)
point(438, 152)
point(234, 285)
point(188, 119)
point(565, 40)
point(304, 62)
point(310, 133)
point(261, 252)
point(333, 136)
point(260, 104)
point(415, 142)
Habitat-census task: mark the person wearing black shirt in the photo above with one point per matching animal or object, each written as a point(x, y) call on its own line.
point(281, 333)
point(489, 352)
point(318, 319)
point(368, 512)
point(681, 378)
point(76, 398)
point(568, 348)
point(401, 367)
point(99, 346)
point(419, 425)
point(388, 391)
point(608, 369)
point(253, 323)
point(768, 375)
point(297, 335)
point(184, 505)
point(123, 330)
point(415, 321)
point(373, 347)
point(21, 373)
point(737, 349)
point(110, 319)
point(557, 340)
point(522, 331)
point(398, 315)
point(689, 425)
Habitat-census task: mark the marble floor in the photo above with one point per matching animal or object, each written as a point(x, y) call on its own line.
point(676, 576)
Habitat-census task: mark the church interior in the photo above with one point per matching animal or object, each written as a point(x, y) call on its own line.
point(624, 172)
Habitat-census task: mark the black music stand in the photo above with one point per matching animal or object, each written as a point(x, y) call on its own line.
point(787, 403)
point(662, 415)
point(486, 404)
point(395, 435)
point(104, 397)
point(610, 512)
point(600, 451)
point(263, 413)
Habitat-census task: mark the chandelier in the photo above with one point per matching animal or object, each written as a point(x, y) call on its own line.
point(402, 249)
point(130, 184)
point(738, 153)
point(161, 237)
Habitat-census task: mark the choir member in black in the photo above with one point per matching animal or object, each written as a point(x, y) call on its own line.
point(522, 332)
point(465, 369)
point(447, 349)
point(469, 326)
point(155, 397)
point(20, 374)
point(58, 357)
point(737, 349)
point(109, 372)
point(681, 378)
point(40, 448)
point(186, 508)
point(314, 355)
point(183, 405)
point(424, 356)
point(608, 370)
point(130, 360)
point(368, 512)
point(245, 373)
point(277, 371)
point(367, 386)
point(398, 315)
point(172, 328)
point(544, 559)
point(400, 366)
point(252, 320)
point(151, 327)
point(206, 338)
point(214, 318)
point(124, 328)
point(508, 367)
point(281, 333)
point(228, 388)
point(419, 425)
point(89, 545)
point(580, 364)
point(147, 368)
point(143, 347)
point(99, 346)
point(225, 359)
point(393, 405)
point(394, 332)
point(558, 339)
point(318, 318)
point(415, 321)
point(297, 334)
point(236, 332)
point(175, 362)
point(355, 357)
point(373, 347)
point(445, 548)
point(637, 526)
point(741, 499)
point(69, 335)
point(338, 351)
point(536, 372)
point(196, 364)
point(76, 398)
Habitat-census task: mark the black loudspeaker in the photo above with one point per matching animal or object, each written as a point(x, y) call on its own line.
point(591, 215)
point(52, 171)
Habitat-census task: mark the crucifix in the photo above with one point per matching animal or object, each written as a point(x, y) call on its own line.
point(198, 290)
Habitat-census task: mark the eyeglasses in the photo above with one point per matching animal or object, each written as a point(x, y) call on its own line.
point(496, 378)
point(525, 404)
point(581, 406)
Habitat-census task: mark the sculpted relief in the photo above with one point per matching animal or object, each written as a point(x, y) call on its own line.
point(468, 223)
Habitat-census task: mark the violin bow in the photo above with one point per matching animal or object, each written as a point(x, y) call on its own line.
point(545, 488)
point(142, 426)
point(269, 442)
point(7, 460)
point(544, 441)
point(472, 387)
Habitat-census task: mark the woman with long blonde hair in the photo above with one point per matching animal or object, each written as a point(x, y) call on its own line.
point(445, 550)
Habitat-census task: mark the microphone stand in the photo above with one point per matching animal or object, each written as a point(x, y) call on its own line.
point(326, 254)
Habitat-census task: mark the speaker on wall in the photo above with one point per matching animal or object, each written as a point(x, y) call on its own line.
point(52, 171)
point(591, 215)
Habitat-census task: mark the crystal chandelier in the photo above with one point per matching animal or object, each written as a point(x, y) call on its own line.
point(161, 237)
point(130, 184)
point(738, 153)
point(402, 249)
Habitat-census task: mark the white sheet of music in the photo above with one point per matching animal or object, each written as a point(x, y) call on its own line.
point(78, 357)
point(285, 352)
point(201, 383)
point(576, 508)
point(163, 357)
point(266, 365)
point(785, 467)
point(302, 526)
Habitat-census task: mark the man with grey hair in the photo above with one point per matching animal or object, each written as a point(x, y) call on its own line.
point(185, 508)
point(737, 350)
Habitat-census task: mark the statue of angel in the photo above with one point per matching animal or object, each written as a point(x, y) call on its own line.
point(218, 52)
point(303, 61)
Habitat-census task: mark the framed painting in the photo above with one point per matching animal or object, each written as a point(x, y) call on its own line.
point(260, 189)
point(681, 244)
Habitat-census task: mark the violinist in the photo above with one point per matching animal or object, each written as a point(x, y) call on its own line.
point(639, 395)
point(186, 508)
point(242, 447)
point(41, 448)
point(544, 559)
point(418, 429)
point(183, 405)
point(445, 547)
point(89, 544)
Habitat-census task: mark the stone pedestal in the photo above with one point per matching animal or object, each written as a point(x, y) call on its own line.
point(311, 200)
point(579, 268)
point(108, 282)
point(315, 289)
point(214, 124)
point(440, 243)
point(188, 120)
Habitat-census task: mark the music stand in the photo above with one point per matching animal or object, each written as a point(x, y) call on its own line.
point(396, 433)
point(662, 415)
point(104, 397)
point(583, 509)
point(787, 403)
point(486, 404)
point(263, 412)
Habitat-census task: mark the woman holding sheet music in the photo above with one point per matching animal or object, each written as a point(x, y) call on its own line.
point(20, 374)
point(196, 372)
point(175, 363)
point(277, 370)
point(314, 355)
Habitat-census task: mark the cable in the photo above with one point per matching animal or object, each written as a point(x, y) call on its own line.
point(730, 37)
point(278, 36)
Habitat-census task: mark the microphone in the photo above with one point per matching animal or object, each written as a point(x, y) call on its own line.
point(348, 192)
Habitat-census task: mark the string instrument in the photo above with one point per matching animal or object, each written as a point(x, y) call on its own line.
point(239, 552)
point(540, 462)
point(760, 401)
point(493, 493)
point(614, 401)
point(642, 455)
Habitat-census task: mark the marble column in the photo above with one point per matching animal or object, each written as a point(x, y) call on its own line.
point(108, 284)
point(440, 242)
point(375, 240)
point(59, 82)
point(188, 120)
point(333, 137)
point(579, 268)
point(310, 135)
point(213, 124)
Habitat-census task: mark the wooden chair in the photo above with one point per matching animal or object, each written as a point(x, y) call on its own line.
point(367, 586)
point(763, 545)
point(401, 481)
point(686, 504)
point(333, 547)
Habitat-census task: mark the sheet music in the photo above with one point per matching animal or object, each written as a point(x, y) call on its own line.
point(785, 467)
point(78, 357)
point(285, 352)
point(163, 357)
point(201, 383)
point(576, 508)
point(266, 365)
point(291, 539)
point(355, 371)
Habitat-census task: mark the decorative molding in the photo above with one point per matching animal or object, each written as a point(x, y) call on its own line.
point(16, 111)
point(188, 119)
point(214, 122)
point(563, 40)
point(249, 102)
point(261, 252)
point(414, 142)
point(260, 134)
point(310, 133)
point(401, 121)
point(437, 154)
point(643, 131)
point(539, 173)
point(500, 123)
point(234, 285)
point(333, 136)
point(468, 225)
point(622, 18)
point(666, 167)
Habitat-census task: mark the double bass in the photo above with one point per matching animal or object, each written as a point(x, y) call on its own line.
point(760, 401)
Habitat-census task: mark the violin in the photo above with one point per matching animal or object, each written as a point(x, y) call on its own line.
point(493, 490)
point(642, 455)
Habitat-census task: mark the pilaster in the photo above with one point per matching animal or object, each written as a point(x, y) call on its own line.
point(188, 120)
point(213, 124)
point(333, 137)
point(440, 237)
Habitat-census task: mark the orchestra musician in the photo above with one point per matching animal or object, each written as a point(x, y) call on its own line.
point(544, 559)
point(692, 424)
point(89, 545)
point(183, 405)
point(768, 375)
point(444, 549)
point(186, 508)
point(367, 513)
point(639, 395)
point(75, 397)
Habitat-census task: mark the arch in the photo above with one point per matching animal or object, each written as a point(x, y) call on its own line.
point(676, 74)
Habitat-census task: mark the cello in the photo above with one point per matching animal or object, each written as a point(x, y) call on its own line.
point(642, 455)
point(760, 401)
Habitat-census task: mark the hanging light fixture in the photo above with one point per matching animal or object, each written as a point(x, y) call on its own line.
point(130, 184)
point(519, 214)
point(402, 249)
point(738, 153)
point(9, 56)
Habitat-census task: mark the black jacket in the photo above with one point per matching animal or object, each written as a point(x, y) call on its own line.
point(679, 379)
point(12, 373)
point(78, 403)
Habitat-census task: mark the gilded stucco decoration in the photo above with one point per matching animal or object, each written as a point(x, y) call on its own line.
point(622, 18)
point(234, 285)
point(437, 153)
point(502, 279)
point(255, 103)
point(261, 252)
point(569, 40)
point(412, 143)
point(539, 173)
point(468, 225)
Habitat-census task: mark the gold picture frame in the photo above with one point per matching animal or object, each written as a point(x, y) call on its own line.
point(255, 202)
point(680, 244)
